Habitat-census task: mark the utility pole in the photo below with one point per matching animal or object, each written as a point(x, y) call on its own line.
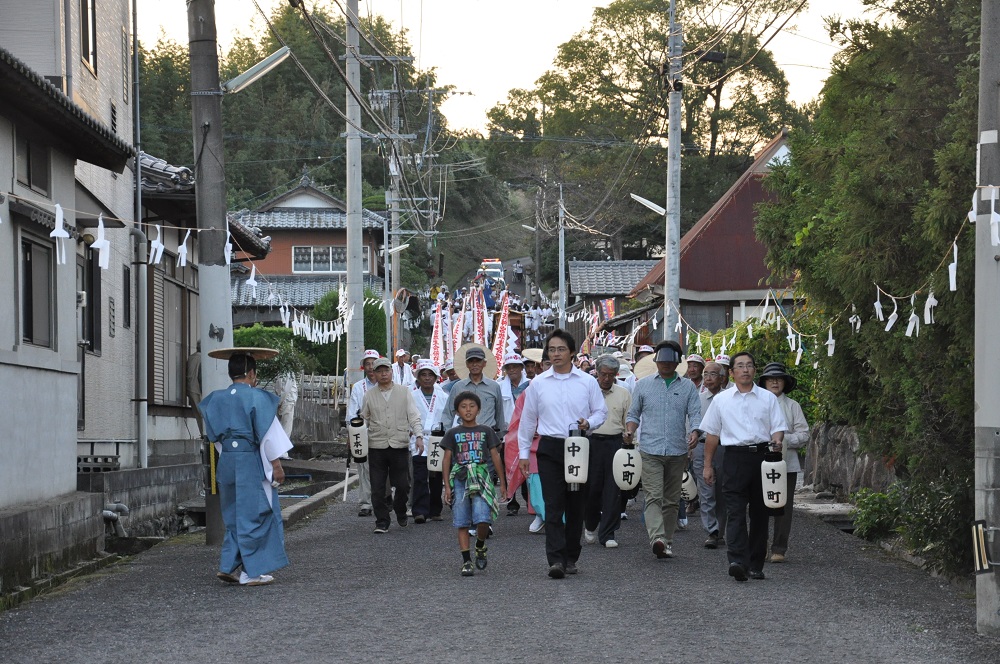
point(562, 260)
point(355, 283)
point(215, 312)
point(987, 365)
point(672, 245)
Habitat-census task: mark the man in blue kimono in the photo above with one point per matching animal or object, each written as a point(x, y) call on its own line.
point(241, 421)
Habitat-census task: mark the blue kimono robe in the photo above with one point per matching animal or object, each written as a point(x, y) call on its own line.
point(238, 417)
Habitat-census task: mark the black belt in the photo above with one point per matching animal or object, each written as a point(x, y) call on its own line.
point(759, 448)
point(606, 436)
point(552, 438)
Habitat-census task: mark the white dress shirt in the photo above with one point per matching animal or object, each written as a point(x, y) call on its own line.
point(553, 402)
point(744, 418)
point(357, 396)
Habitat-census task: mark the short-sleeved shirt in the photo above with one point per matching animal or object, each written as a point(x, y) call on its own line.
point(469, 445)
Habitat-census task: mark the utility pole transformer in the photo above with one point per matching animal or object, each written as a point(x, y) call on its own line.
point(672, 245)
point(215, 311)
point(987, 354)
point(355, 283)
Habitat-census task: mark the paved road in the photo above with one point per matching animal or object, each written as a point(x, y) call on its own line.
point(353, 596)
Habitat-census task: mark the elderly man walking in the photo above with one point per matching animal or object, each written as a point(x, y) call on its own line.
point(391, 415)
point(488, 390)
point(713, 507)
point(669, 410)
point(602, 514)
point(746, 420)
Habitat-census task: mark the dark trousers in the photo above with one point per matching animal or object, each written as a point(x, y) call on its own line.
point(393, 465)
point(742, 492)
point(602, 511)
point(562, 541)
point(435, 482)
point(421, 504)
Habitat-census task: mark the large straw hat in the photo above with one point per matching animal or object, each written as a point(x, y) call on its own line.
point(647, 367)
point(489, 371)
point(257, 353)
point(532, 355)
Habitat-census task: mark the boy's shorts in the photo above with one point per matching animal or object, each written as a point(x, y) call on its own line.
point(468, 510)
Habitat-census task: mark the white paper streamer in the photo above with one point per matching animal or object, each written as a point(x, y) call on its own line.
point(182, 251)
point(929, 309)
point(252, 282)
point(855, 319)
point(102, 246)
point(994, 218)
point(798, 353)
point(698, 346)
point(732, 342)
point(878, 304)
point(750, 330)
point(156, 249)
point(974, 212)
point(791, 338)
point(767, 306)
point(953, 269)
point(60, 235)
point(228, 248)
point(913, 324)
point(894, 317)
point(831, 343)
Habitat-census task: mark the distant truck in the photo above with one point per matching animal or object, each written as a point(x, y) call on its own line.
point(493, 268)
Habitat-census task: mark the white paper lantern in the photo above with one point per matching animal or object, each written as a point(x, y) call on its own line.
point(689, 486)
point(626, 466)
point(576, 459)
point(435, 455)
point(773, 472)
point(357, 439)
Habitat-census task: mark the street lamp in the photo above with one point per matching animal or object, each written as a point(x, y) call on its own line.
point(250, 76)
point(671, 259)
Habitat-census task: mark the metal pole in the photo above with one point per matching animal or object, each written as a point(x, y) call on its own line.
point(141, 269)
point(672, 245)
point(987, 365)
point(387, 295)
point(355, 283)
point(215, 313)
point(562, 261)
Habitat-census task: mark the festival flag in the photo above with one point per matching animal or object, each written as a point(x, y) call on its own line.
point(500, 335)
point(478, 311)
point(437, 345)
point(608, 308)
point(459, 326)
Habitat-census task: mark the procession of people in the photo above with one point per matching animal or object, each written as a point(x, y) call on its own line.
point(454, 437)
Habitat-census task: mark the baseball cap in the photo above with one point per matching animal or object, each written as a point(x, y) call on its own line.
point(401, 352)
point(429, 365)
point(694, 357)
point(512, 358)
point(475, 353)
point(382, 362)
point(370, 354)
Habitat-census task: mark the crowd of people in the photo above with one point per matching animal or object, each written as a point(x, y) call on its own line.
point(496, 439)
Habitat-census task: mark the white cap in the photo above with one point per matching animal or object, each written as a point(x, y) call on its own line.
point(512, 358)
point(450, 364)
point(645, 349)
point(401, 352)
point(370, 354)
point(722, 359)
point(427, 364)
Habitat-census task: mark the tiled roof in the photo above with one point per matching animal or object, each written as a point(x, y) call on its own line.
point(305, 219)
point(249, 240)
point(296, 290)
point(27, 92)
point(606, 277)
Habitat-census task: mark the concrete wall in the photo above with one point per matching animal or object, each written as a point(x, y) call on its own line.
point(151, 494)
point(48, 536)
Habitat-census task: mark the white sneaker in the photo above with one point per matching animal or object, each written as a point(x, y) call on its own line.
point(682, 524)
point(537, 525)
point(611, 544)
point(261, 580)
point(668, 552)
point(590, 536)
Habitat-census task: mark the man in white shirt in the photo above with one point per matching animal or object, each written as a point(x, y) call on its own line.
point(513, 383)
point(558, 400)
point(746, 420)
point(402, 374)
point(358, 391)
point(427, 487)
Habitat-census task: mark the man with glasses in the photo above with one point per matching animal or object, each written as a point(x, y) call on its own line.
point(746, 421)
point(668, 408)
point(559, 399)
point(713, 507)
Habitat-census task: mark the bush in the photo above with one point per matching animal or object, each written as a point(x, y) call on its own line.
point(876, 514)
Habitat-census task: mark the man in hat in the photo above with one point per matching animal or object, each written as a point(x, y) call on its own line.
point(532, 362)
point(450, 376)
point(556, 401)
point(491, 413)
point(603, 511)
point(642, 352)
point(358, 391)
point(512, 385)
point(427, 487)
point(723, 361)
point(696, 366)
point(779, 382)
point(713, 507)
point(392, 416)
point(746, 420)
point(668, 408)
point(242, 422)
point(402, 374)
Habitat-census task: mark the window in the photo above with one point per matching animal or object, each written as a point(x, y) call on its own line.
point(88, 33)
point(324, 259)
point(126, 52)
point(88, 281)
point(114, 118)
point(173, 309)
point(32, 164)
point(37, 298)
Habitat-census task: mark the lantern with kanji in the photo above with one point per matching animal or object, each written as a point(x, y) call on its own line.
point(357, 439)
point(773, 472)
point(576, 459)
point(627, 468)
point(435, 455)
point(689, 486)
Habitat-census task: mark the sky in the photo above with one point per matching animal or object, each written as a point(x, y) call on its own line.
point(487, 47)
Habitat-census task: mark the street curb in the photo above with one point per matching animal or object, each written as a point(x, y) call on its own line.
point(43, 585)
point(295, 513)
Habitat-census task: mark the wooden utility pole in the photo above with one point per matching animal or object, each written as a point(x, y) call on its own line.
point(987, 354)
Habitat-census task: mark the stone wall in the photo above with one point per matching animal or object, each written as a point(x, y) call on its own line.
point(48, 537)
point(833, 462)
point(151, 494)
point(315, 422)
